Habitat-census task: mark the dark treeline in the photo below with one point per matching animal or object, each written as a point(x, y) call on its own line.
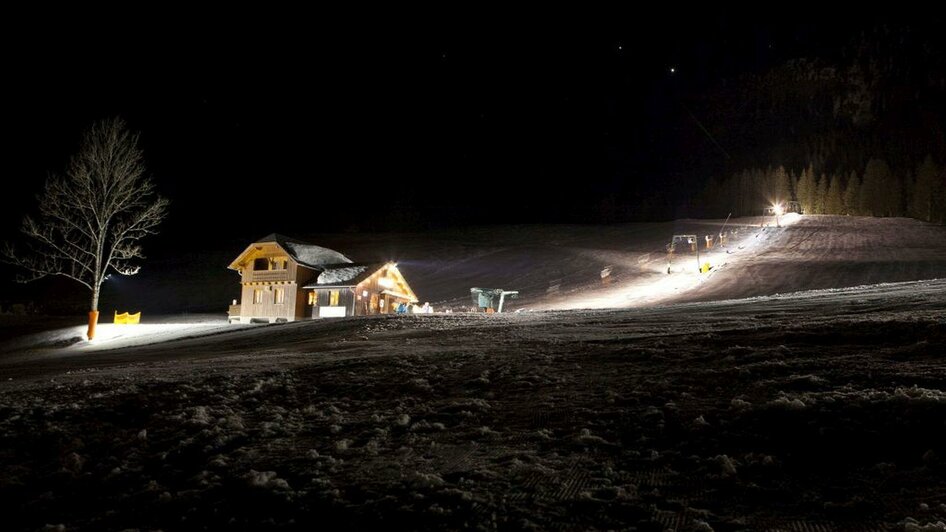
point(859, 130)
point(877, 191)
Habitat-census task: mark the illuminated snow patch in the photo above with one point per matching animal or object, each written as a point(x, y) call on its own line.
point(654, 289)
point(658, 285)
point(113, 335)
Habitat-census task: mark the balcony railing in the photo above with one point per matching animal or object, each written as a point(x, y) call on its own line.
point(265, 275)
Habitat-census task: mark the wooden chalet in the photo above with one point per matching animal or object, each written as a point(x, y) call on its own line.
point(284, 279)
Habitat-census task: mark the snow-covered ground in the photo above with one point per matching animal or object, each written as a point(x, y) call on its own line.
point(757, 398)
point(561, 267)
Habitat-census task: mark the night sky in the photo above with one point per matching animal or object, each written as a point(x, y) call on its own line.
point(276, 123)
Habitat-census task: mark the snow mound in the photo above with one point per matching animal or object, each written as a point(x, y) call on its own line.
point(266, 480)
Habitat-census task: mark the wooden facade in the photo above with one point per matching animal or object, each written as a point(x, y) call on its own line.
point(333, 302)
point(378, 289)
point(286, 280)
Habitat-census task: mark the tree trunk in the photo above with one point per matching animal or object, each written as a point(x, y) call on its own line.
point(95, 297)
point(93, 320)
point(94, 312)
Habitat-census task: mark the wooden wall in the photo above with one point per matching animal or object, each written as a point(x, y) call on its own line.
point(294, 306)
point(345, 299)
point(268, 309)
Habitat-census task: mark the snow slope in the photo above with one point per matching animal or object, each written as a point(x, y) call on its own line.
point(797, 386)
point(561, 266)
point(833, 252)
point(808, 411)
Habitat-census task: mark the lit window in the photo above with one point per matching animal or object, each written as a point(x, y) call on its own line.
point(279, 296)
point(257, 296)
point(333, 298)
point(312, 298)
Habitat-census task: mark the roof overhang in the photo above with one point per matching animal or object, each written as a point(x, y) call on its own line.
point(392, 266)
point(235, 265)
point(412, 299)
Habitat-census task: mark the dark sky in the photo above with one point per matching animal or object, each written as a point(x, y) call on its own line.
point(302, 124)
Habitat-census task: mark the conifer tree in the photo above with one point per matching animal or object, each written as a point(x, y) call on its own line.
point(834, 201)
point(852, 195)
point(878, 191)
point(783, 185)
point(805, 191)
point(821, 193)
point(924, 190)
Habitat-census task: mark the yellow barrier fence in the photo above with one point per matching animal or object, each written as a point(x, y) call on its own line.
point(127, 319)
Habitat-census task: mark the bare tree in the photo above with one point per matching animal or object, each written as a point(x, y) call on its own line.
point(92, 218)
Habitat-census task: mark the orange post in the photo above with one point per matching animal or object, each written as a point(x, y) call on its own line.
point(93, 320)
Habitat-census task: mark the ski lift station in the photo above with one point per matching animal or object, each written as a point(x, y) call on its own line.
point(684, 243)
point(491, 299)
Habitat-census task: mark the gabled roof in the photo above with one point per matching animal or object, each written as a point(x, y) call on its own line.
point(351, 274)
point(308, 255)
point(347, 274)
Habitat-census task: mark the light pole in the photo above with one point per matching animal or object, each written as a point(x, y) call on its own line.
point(699, 267)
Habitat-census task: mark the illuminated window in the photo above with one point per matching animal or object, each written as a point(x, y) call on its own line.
point(257, 296)
point(279, 296)
point(312, 298)
point(333, 298)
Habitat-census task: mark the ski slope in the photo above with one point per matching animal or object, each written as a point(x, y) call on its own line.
point(819, 252)
point(560, 267)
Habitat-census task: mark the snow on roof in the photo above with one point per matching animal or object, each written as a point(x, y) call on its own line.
point(314, 256)
point(305, 254)
point(344, 274)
